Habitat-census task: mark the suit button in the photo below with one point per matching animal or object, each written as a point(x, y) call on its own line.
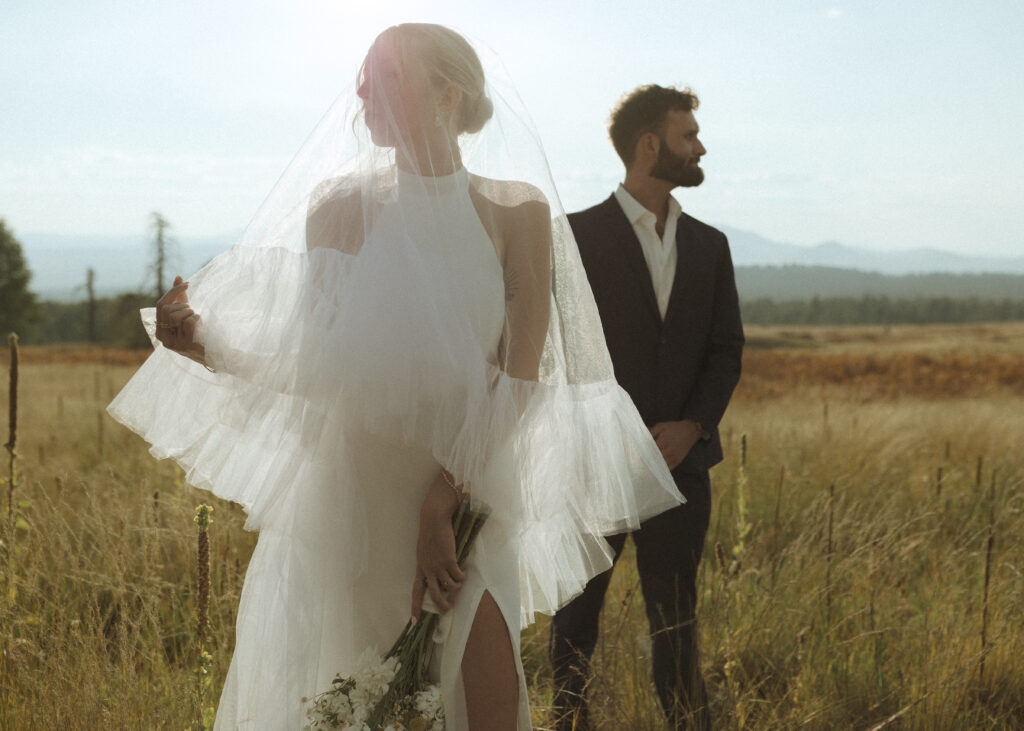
point(664, 339)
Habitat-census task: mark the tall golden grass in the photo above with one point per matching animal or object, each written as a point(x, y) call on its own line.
point(854, 587)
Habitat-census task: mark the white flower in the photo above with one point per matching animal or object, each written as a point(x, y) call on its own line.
point(362, 703)
point(373, 673)
point(428, 703)
point(343, 708)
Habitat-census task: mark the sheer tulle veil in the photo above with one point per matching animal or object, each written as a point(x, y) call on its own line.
point(330, 318)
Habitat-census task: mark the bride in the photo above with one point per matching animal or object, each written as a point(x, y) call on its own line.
point(404, 325)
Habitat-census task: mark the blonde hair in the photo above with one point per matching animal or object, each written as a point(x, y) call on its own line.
point(448, 58)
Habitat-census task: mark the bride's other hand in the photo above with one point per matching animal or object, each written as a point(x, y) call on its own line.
point(176, 322)
point(437, 569)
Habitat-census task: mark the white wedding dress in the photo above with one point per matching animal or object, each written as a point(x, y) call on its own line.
point(330, 434)
point(371, 604)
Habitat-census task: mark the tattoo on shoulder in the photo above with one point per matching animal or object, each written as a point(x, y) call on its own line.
point(511, 284)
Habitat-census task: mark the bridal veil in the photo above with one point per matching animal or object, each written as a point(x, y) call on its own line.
point(331, 317)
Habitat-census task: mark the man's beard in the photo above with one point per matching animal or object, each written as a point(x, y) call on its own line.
point(673, 168)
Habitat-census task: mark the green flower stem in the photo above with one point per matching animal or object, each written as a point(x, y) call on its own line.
point(411, 647)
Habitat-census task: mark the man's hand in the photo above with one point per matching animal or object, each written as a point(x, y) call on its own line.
point(675, 439)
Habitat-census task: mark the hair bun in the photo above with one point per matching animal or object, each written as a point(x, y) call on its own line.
point(476, 115)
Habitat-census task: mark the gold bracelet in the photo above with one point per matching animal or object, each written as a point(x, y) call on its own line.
point(458, 492)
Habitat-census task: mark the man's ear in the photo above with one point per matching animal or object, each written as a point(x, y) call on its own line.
point(648, 146)
point(653, 144)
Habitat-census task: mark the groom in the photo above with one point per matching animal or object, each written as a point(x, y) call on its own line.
point(665, 289)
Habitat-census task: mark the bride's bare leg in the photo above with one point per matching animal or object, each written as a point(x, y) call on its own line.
point(489, 673)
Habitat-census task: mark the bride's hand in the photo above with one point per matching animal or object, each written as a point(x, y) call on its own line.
point(176, 322)
point(437, 569)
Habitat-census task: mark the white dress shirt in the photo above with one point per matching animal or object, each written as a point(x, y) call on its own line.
point(659, 251)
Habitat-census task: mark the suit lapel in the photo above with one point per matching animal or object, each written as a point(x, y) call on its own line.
point(627, 246)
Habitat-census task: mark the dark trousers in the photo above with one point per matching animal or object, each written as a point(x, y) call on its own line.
point(668, 551)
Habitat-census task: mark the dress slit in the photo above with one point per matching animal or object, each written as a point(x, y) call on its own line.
point(455, 635)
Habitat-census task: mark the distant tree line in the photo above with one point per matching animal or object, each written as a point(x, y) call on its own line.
point(109, 321)
point(873, 310)
point(792, 283)
point(115, 322)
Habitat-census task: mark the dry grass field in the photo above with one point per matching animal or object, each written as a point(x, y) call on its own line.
point(864, 567)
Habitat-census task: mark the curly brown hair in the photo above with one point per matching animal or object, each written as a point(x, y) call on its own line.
point(643, 110)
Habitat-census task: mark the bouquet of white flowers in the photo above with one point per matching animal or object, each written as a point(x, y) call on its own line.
point(392, 693)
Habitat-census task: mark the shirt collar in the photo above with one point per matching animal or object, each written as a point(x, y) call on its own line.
point(635, 211)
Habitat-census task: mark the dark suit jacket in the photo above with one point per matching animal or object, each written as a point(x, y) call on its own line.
point(687, 366)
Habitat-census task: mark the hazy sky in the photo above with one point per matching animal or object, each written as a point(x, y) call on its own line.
point(889, 124)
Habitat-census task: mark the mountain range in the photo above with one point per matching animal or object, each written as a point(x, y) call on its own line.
point(765, 268)
point(750, 249)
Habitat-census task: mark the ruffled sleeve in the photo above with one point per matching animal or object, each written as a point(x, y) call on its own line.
point(312, 348)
